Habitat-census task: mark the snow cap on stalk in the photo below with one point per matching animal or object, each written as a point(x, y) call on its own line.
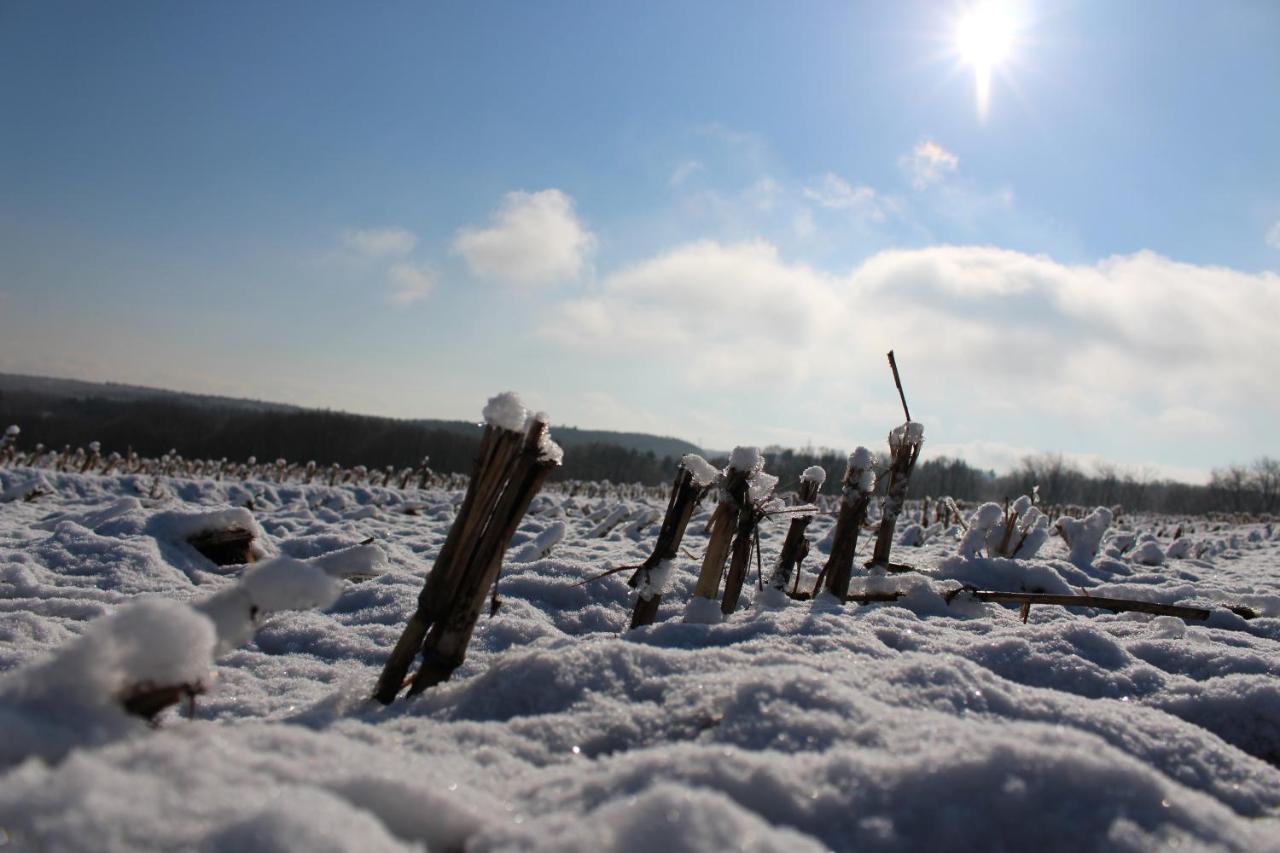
point(748, 459)
point(506, 411)
point(862, 471)
point(704, 473)
point(814, 474)
point(911, 432)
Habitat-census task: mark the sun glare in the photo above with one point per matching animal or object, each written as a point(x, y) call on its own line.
point(984, 38)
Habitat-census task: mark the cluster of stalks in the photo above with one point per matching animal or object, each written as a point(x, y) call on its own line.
point(510, 469)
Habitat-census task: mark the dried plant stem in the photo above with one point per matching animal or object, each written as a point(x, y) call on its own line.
point(795, 547)
point(722, 525)
point(685, 497)
point(739, 555)
point(903, 463)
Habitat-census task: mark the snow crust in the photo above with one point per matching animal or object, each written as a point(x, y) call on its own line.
point(919, 724)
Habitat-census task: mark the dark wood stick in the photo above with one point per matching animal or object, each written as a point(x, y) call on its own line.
point(897, 381)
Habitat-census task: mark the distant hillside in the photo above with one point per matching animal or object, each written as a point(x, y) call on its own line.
point(574, 437)
point(57, 412)
point(75, 389)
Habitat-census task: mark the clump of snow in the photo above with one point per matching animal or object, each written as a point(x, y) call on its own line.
point(73, 695)
point(506, 411)
point(542, 544)
point(359, 562)
point(1149, 553)
point(704, 473)
point(288, 584)
point(1001, 573)
point(770, 598)
point(703, 611)
point(983, 524)
point(814, 474)
point(1084, 536)
point(610, 521)
point(747, 459)
point(283, 583)
point(912, 536)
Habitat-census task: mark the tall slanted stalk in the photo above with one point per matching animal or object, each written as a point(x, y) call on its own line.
point(516, 456)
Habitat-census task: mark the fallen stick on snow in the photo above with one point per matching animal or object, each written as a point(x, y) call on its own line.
point(1026, 599)
point(1118, 605)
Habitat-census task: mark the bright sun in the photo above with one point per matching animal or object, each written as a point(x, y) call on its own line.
point(984, 38)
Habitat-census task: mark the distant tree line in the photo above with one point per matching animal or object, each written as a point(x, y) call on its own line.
point(154, 426)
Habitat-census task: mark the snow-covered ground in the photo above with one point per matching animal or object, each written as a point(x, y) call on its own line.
point(920, 725)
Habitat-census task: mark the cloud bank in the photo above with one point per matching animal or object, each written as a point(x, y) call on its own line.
point(1167, 345)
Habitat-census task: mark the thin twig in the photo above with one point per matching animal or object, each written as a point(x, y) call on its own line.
point(898, 382)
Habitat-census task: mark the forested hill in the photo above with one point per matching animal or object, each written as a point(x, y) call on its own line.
point(57, 412)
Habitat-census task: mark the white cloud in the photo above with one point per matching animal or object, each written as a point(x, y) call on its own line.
point(836, 193)
point(1273, 236)
point(1139, 340)
point(735, 308)
point(380, 242)
point(409, 283)
point(928, 163)
point(534, 238)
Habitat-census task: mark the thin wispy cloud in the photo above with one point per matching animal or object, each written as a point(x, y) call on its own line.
point(410, 283)
point(394, 242)
point(836, 193)
point(684, 171)
point(1273, 236)
point(928, 163)
point(533, 238)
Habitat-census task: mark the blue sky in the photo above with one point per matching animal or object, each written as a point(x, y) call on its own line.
point(707, 220)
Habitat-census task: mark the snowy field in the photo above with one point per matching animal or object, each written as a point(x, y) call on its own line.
point(915, 726)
